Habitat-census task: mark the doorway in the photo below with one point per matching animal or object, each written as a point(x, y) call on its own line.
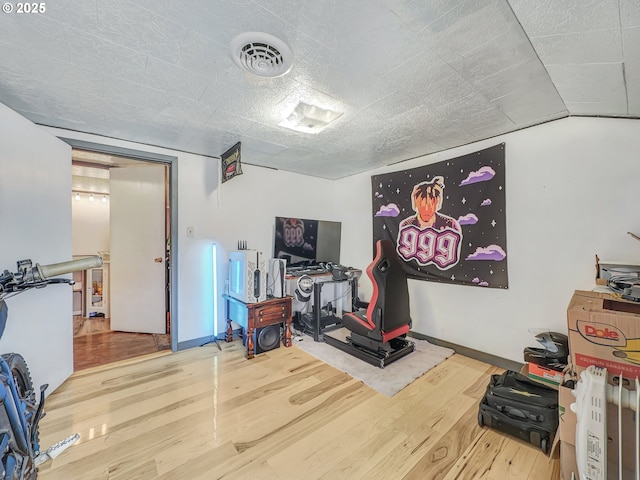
point(122, 212)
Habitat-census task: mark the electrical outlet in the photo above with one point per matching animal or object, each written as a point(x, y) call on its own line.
point(189, 232)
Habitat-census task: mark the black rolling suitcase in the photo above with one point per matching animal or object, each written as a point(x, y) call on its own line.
point(516, 405)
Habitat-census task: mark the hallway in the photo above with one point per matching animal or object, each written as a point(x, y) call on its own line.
point(94, 343)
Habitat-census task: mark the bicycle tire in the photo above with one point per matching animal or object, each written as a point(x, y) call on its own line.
point(21, 376)
point(24, 385)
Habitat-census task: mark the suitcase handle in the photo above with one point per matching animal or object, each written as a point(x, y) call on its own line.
point(517, 413)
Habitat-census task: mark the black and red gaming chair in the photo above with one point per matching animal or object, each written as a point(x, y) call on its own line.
point(381, 328)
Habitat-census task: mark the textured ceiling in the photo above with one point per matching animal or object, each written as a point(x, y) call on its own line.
point(411, 77)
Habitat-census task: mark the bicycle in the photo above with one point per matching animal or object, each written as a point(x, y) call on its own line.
point(19, 414)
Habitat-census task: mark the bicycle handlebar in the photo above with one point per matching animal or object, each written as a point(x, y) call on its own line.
point(55, 269)
point(37, 276)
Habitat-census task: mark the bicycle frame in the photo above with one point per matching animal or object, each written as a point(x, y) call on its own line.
point(19, 415)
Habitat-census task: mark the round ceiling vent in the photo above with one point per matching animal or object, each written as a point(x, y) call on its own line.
point(261, 54)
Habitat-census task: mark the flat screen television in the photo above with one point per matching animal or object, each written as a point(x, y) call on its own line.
point(305, 242)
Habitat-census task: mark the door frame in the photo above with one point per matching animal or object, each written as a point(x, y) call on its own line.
point(172, 162)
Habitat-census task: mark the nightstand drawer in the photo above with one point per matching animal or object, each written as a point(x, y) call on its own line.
point(269, 314)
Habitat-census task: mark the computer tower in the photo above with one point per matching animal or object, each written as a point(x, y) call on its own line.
point(276, 277)
point(248, 276)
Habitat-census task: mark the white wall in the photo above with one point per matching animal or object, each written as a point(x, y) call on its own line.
point(572, 191)
point(35, 214)
point(90, 225)
point(241, 209)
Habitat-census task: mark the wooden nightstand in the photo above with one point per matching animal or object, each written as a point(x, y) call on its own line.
point(251, 316)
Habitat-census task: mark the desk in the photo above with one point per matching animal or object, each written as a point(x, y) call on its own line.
point(256, 315)
point(317, 312)
point(343, 295)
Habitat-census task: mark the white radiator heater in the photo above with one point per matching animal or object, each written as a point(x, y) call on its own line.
point(592, 395)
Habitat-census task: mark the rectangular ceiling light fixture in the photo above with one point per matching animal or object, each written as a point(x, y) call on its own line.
point(309, 118)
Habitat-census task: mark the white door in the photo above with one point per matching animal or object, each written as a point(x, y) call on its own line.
point(137, 225)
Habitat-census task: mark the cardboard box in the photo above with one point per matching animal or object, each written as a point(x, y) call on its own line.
point(537, 377)
point(605, 331)
point(566, 418)
point(547, 376)
point(568, 461)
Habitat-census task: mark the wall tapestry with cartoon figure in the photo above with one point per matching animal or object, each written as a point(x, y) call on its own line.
point(447, 219)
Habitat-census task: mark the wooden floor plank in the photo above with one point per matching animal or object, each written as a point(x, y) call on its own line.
point(442, 456)
point(428, 430)
point(207, 413)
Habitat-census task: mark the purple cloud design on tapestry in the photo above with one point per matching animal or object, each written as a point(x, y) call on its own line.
point(485, 202)
point(483, 174)
point(491, 252)
point(390, 210)
point(468, 219)
point(480, 283)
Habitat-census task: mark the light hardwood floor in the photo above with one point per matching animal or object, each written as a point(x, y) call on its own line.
point(210, 414)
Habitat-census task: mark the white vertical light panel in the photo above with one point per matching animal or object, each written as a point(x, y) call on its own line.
point(214, 265)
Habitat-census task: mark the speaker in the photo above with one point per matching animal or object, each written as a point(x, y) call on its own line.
point(265, 338)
